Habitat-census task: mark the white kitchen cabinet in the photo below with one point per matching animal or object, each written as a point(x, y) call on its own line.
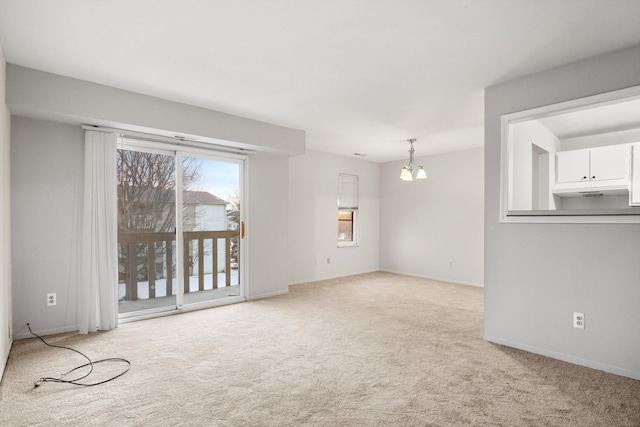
point(594, 170)
point(599, 163)
point(573, 166)
point(609, 162)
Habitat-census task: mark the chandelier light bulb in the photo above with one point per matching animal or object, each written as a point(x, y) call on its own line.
point(408, 171)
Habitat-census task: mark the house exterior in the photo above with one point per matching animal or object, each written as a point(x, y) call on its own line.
point(205, 212)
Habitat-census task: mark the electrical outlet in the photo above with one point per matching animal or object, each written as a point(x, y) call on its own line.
point(51, 299)
point(450, 263)
point(578, 320)
point(328, 260)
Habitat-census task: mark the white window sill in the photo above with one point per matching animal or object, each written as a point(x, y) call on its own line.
point(348, 245)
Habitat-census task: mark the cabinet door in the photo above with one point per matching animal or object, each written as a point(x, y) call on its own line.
point(609, 162)
point(572, 166)
point(634, 193)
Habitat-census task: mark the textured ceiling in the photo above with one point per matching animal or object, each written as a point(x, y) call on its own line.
point(356, 75)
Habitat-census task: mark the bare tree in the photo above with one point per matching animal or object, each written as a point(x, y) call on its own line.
point(146, 199)
point(146, 190)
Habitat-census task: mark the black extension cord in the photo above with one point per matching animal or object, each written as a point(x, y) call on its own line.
point(41, 380)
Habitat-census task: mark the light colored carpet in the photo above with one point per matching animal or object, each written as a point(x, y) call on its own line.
point(369, 350)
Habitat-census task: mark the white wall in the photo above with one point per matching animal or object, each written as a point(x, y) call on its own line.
point(524, 135)
point(537, 275)
point(52, 97)
point(47, 172)
point(313, 215)
point(426, 224)
point(6, 330)
point(267, 226)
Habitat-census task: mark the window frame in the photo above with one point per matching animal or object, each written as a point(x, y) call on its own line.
point(160, 147)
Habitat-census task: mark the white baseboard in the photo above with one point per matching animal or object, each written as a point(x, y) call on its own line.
point(565, 357)
point(24, 332)
point(268, 294)
point(439, 279)
point(337, 276)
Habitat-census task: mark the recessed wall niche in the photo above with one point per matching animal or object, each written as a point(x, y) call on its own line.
point(577, 161)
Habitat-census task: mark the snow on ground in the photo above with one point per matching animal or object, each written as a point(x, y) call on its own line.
point(161, 285)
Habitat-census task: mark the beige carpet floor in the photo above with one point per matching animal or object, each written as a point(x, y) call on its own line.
point(369, 350)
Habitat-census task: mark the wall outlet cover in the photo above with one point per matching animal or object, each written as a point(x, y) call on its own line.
point(578, 320)
point(51, 299)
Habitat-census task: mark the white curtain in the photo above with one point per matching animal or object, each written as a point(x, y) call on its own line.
point(98, 257)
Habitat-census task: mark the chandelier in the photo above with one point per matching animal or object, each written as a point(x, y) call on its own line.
point(412, 171)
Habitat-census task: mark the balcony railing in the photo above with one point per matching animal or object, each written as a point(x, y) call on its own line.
point(141, 254)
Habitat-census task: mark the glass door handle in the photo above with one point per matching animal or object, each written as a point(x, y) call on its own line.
point(242, 229)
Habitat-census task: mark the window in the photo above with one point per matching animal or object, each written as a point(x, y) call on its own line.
point(347, 210)
point(345, 226)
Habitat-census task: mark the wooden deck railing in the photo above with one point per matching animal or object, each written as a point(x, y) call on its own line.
point(164, 242)
point(200, 237)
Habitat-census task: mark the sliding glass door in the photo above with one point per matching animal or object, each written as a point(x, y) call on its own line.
point(179, 223)
point(211, 226)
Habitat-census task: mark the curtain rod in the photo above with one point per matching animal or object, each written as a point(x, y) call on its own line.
point(175, 140)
